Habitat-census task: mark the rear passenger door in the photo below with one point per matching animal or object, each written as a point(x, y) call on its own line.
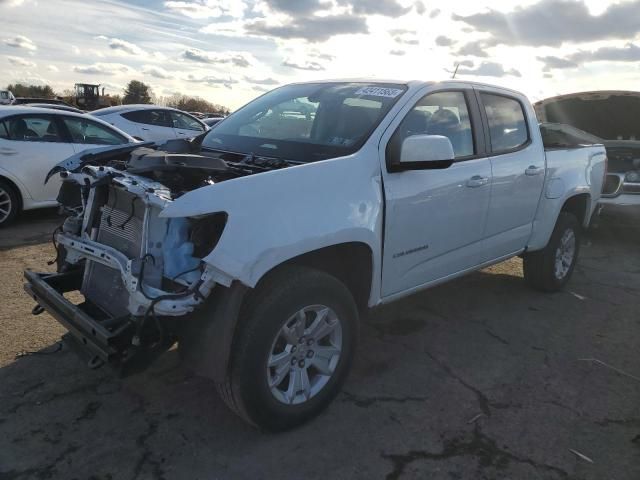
point(435, 218)
point(518, 168)
point(153, 125)
point(30, 146)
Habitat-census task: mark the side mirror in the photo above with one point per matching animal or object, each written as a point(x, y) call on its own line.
point(426, 151)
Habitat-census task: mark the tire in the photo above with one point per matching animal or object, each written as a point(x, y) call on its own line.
point(9, 203)
point(545, 270)
point(289, 297)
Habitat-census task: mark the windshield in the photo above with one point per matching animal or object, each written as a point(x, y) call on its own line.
point(306, 122)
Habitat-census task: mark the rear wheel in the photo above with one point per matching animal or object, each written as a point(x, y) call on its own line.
point(551, 268)
point(293, 349)
point(9, 203)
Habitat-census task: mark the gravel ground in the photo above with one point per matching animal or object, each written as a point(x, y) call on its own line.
point(480, 378)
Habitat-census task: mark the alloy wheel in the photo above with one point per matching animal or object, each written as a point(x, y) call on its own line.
point(304, 355)
point(565, 254)
point(5, 205)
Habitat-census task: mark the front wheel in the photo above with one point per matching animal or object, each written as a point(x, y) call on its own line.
point(550, 268)
point(293, 349)
point(9, 203)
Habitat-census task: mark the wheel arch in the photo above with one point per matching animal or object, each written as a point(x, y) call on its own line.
point(577, 202)
point(207, 342)
point(580, 206)
point(349, 262)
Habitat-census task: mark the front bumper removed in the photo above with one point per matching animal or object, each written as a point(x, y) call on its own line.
point(99, 338)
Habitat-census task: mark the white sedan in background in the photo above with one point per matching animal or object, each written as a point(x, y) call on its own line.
point(32, 141)
point(152, 123)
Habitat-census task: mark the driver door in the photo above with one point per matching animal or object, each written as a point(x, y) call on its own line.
point(435, 218)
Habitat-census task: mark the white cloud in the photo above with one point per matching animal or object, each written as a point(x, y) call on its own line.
point(238, 59)
point(157, 72)
point(208, 8)
point(212, 81)
point(53, 68)
point(20, 41)
point(123, 46)
point(20, 62)
point(102, 69)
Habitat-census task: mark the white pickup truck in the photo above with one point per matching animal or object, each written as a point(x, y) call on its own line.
point(259, 245)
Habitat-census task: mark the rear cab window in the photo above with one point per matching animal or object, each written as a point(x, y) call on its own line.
point(508, 129)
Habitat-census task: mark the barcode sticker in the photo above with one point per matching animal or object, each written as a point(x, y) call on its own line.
point(379, 92)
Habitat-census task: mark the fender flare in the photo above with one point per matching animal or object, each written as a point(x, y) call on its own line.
point(551, 208)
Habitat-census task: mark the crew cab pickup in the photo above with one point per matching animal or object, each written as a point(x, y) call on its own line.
point(258, 245)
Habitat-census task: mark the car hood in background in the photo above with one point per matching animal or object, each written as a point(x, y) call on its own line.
point(611, 115)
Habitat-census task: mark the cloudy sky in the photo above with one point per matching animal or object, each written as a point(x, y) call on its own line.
point(229, 51)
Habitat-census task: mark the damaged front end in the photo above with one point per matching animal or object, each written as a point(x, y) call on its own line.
point(136, 272)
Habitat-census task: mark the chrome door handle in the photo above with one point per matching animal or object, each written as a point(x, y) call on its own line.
point(533, 170)
point(477, 181)
point(8, 151)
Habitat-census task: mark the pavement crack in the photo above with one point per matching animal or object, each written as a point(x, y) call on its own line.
point(492, 334)
point(365, 402)
point(483, 400)
point(481, 446)
point(558, 404)
point(47, 472)
point(89, 411)
point(91, 387)
point(625, 422)
point(29, 389)
point(146, 456)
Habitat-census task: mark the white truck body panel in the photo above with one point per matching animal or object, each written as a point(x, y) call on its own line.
point(447, 227)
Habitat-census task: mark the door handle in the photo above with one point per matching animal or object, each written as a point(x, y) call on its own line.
point(477, 181)
point(533, 170)
point(7, 151)
point(145, 129)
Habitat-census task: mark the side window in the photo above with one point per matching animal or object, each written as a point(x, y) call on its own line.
point(33, 128)
point(139, 116)
point(161, 118)
point(4, 133)
point(507, 124)
point(180, 120)
point(440, 113)
point(87, 132)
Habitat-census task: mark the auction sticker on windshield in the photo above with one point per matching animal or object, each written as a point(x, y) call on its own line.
point(379, 92)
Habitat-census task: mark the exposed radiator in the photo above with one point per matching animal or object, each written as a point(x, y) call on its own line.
point(121, 224)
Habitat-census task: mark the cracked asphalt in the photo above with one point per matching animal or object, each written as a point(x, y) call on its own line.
point(480, 378)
